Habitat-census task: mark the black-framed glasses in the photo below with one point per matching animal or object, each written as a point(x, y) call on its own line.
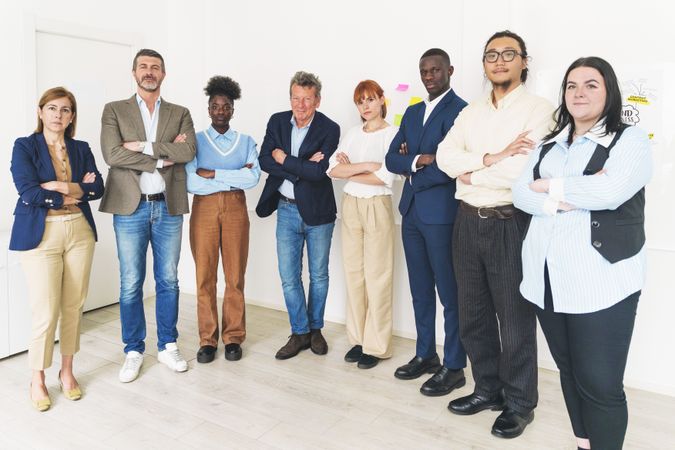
point(507, 55)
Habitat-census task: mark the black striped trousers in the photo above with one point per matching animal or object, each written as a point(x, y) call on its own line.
point(497, 325)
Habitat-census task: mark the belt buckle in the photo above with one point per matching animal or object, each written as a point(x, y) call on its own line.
point(480, 214)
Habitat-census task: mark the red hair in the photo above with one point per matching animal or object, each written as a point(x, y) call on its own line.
point(368, 88)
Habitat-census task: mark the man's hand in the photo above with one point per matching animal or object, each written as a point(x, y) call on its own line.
point(279, 155)
point(180, 138)
point(134, 146)
point(541, 185)
point(342, 158)
point(206, 173)
point(522, 145)
point(403, 149)
point(317, 157)
point(465, 178)
point(248, 166)
point(425, 160)
point(167, 163)
point(89, 177)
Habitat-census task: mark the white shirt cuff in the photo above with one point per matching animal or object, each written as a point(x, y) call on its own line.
point(556, 189)
point(413, 169)
point(160, 163)
point(550, 206)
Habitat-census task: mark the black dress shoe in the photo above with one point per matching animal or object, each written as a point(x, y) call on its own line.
point(511, 424)
point(296, 343)
point(233, 352)
point(354, 354)
point(475, 403)
point(367, 361)
point(443, 382)
point(418, 367)
point(206, 354)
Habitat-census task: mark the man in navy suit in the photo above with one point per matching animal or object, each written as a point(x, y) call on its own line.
point(295, 154)
point(428, 207)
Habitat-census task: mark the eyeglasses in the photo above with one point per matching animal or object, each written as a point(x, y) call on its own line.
point(507, 56)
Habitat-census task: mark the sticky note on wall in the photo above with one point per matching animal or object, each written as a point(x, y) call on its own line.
point(415, 100)
point(402, 87)
point(397, 119)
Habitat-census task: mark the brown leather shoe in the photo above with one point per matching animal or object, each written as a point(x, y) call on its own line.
point(319, 344)
point(295, 345)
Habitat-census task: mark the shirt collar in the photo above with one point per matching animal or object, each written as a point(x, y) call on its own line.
point(306, 126)
point(213, 134)
point(508, 99)
point(437, 100)
point(139, 100)
point(595, 134)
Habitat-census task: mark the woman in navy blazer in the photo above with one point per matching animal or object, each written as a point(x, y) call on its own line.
point(56, 177)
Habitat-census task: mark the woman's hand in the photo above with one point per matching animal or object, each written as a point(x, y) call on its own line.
point(56, 186)
point(342, 158)
point(89, 177)
point(67, 201)
point(541, 185)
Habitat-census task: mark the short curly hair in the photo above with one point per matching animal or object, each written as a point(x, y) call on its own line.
point(218, 85)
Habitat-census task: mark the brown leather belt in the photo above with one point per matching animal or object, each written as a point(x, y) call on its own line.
point(152, 197)
point(485, 212)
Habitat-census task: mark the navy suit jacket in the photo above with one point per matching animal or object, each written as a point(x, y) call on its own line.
point(313, 189)
point(32, 165)
point(432, 190)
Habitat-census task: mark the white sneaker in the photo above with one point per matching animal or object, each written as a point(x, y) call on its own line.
point(172, 358)
point(132, 365)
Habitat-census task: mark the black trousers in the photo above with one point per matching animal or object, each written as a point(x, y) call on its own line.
point(590, 351)
point(497, 325)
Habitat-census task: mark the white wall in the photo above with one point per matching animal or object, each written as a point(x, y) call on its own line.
point(262, 43)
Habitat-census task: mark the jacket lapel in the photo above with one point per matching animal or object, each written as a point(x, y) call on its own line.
point(438, 110)
point(310, 135)
point(165, 111)
point(134, 112)
point(45, 158)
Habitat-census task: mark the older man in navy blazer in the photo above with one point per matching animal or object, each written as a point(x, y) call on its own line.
point(428, 207)
point(295, 154)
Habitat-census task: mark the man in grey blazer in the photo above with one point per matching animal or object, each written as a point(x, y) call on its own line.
point(146, 142)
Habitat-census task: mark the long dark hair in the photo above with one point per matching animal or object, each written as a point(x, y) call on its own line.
point(612, 111)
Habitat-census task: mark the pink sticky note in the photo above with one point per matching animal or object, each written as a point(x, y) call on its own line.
point(402, 87)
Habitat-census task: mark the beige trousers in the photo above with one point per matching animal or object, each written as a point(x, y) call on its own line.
point(368, 259)
point(57, 272)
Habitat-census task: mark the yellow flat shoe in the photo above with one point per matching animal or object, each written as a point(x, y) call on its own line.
point(71, 394)
point(41, 405)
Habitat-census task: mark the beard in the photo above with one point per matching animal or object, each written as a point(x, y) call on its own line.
point(148, 84)
point(505, 85)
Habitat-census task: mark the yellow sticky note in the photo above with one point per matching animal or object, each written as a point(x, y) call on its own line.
point(387, 102)
point(415, 100)
point(397, 119)
point(638, 99)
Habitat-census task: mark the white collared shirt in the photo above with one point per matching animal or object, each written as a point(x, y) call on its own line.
point(150, 183)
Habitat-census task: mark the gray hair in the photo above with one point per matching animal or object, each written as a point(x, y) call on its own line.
point(306, 80)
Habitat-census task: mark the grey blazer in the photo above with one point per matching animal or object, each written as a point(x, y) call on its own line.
point(122, 122)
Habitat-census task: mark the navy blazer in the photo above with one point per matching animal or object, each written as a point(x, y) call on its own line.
point(31, 166)
point(313, 189)
point(432, 190)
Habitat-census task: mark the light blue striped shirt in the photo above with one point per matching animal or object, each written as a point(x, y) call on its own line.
point(582, 281)
point(227, 154)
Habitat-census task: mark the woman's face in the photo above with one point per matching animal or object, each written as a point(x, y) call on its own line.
point(221, 110)
point(585, 95)
point(370, 106)
point(56, 115)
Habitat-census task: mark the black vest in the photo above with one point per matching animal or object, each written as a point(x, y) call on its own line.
point(616, 234)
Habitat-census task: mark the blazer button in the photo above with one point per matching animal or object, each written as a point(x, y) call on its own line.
point(595, 224)
point(597, 244)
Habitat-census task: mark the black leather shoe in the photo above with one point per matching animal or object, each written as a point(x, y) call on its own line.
point(233, 352)
point(417, 367)
point(354, 354)
point(318, 342)
point(296, 343)
point(367, 361)
point(474, 403)
point(206, 354)
point(511, 424)
point(443, 382)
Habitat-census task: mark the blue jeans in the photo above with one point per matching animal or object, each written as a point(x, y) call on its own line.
point(150, 223)
point(292, 233)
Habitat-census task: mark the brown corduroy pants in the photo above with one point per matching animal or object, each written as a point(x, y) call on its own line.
point(219, 224)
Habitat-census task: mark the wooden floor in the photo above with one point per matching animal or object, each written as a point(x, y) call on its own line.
point(310, 401)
